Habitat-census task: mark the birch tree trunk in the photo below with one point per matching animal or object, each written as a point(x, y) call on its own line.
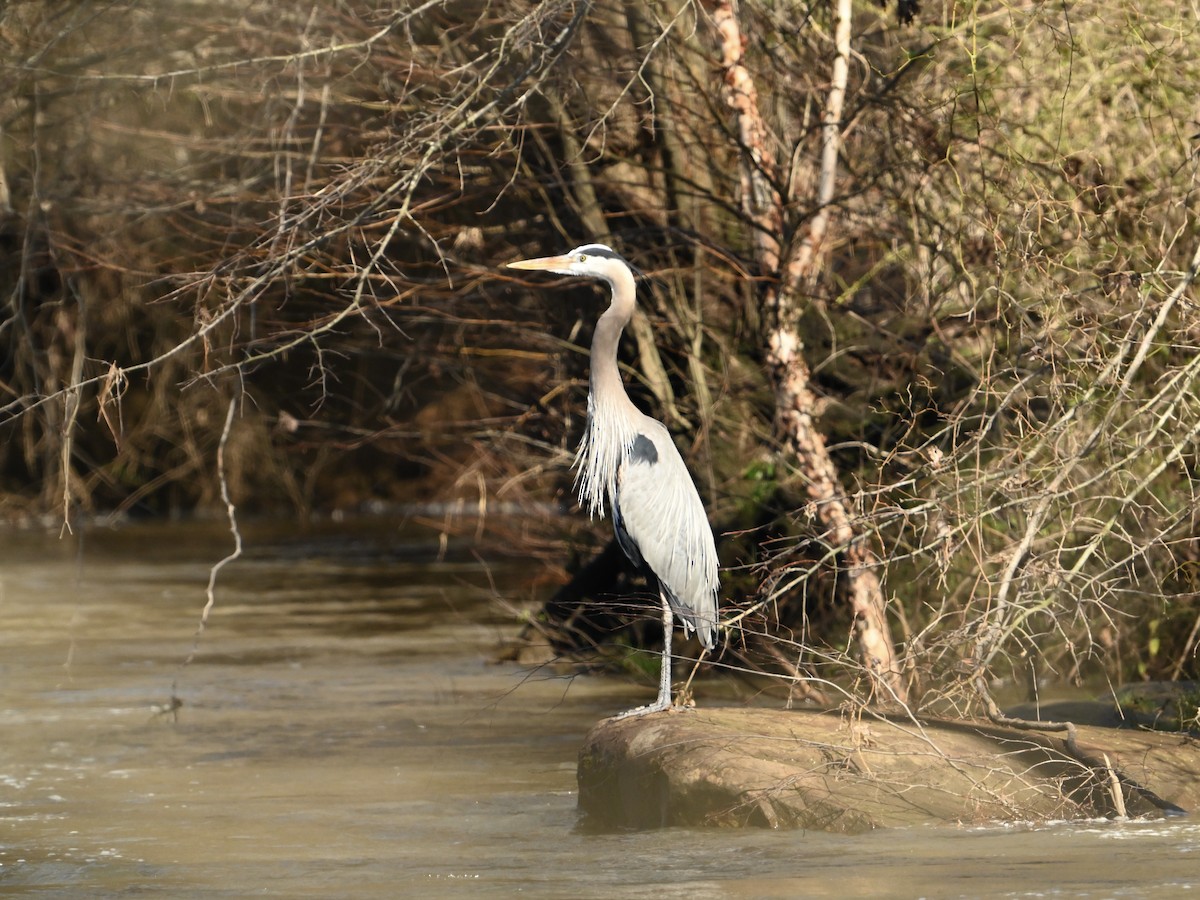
point(788, 270)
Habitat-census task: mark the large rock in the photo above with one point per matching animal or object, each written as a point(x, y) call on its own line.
point(847, 774)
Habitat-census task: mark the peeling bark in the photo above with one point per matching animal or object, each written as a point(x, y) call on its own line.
point(788, 269)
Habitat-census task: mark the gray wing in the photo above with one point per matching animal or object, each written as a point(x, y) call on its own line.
point(661, 523)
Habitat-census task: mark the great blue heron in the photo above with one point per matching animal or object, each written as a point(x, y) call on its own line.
point(630, 459)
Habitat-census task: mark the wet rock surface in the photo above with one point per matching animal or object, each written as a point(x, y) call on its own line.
point(842, 773)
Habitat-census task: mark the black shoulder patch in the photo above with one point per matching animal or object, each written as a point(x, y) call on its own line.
point(643, 450)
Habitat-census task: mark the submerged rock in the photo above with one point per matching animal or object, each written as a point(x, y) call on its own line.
point(1161, 705)
point(842, 773)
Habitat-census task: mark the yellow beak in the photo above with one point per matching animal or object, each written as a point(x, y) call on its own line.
point(542, 263)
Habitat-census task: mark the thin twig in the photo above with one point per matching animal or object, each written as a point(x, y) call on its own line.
point(211, 591)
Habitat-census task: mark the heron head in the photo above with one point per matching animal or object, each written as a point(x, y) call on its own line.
point(594, 260)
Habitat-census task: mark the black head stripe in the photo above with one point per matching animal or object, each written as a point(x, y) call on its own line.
point(608, 252)
point(598, 250)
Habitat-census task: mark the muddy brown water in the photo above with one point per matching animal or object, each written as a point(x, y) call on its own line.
point(343, 734)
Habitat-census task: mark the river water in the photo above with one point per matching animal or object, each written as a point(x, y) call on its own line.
point(343, 733)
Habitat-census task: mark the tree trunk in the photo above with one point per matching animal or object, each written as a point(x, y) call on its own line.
point(788, 270)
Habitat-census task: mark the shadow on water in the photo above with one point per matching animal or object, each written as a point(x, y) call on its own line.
point(345, 733)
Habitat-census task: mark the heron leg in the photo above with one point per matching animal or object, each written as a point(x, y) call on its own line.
point(664, 674)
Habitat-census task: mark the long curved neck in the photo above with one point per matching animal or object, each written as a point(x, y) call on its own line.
point(612, 418)
point(606, 376)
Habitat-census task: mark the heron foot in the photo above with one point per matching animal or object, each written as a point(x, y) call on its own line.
point(656, 707)
point(642, 710)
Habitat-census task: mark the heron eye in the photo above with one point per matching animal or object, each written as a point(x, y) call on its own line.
point(582, 257)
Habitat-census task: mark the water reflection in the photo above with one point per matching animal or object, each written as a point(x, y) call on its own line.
point(344, 733)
